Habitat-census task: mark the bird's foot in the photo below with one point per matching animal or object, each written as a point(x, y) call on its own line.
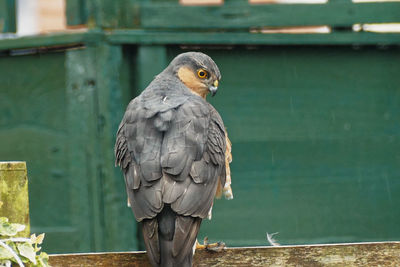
point(215, 247)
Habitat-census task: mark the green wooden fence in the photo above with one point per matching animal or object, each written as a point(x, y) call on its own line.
point(312, 118)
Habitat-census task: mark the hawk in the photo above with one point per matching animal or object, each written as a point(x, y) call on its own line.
point(174, 152)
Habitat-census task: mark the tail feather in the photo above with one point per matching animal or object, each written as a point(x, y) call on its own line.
point(151, 240)
point(186, 230)
point(170, 237)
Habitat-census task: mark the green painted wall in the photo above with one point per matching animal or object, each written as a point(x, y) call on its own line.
point(314, 131)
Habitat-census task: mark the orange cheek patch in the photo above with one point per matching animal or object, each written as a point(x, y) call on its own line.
point(188, 77)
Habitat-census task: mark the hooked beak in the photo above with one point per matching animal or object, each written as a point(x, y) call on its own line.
point(213, 89)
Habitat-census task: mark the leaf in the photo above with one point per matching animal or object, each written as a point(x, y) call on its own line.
point(18, 227)
point(43, 259)
point(27, 251)
point(5, 254)
point(33, 238)
point(5, 263)
point(39, 239)
point(9, 229)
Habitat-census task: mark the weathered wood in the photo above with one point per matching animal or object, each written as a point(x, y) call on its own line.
point(119, 37)
point(242, 15)
point(360, 254)
point(230, 15)
point(244, 38)
point(14, 203)
point(50, 40)
point(82, 119)
point(108, 66)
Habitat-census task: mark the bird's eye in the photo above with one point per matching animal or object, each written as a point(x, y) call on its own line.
point(202, 74)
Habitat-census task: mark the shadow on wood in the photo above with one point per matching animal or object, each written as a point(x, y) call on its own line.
point(358, 254)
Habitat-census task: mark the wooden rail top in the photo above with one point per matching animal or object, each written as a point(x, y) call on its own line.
point(357, 254)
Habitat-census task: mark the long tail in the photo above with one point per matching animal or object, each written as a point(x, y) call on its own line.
point(170, 243)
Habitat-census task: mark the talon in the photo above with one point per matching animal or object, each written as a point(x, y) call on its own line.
point(215, 247)
point(199, 246)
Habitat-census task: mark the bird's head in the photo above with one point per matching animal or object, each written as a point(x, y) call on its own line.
point(198, 72)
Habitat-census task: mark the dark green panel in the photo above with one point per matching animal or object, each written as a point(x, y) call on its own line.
point(33, 129)
point(119, 224)
point(59, 112)
point(151, 60)
point(7, 16)
point(83, 153)
point(315, 145)
point(94, 93)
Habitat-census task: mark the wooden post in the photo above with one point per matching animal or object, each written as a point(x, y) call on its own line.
point(358, 254)
point(14, 202)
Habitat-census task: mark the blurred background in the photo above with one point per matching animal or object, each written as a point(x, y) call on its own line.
point(309, 95)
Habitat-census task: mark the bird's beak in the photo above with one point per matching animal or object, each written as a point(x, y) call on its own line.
point(213, 89)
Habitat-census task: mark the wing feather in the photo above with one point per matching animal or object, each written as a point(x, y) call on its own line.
point(193, 158)
point(175, 156)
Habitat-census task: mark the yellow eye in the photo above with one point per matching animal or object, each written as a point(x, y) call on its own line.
point(202, 74)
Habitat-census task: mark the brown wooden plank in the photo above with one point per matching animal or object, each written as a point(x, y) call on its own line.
point(359, 254)
point(132, 259)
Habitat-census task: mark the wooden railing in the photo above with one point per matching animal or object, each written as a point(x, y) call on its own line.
point(360, 254)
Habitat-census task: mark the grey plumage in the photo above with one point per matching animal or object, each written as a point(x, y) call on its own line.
point(171, 147)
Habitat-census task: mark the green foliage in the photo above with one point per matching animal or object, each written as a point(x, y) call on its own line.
point(21, 251)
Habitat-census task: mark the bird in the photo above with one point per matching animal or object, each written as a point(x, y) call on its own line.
point(174, 152)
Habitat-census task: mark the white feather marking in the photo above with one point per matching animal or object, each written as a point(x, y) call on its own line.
point(209, 215)
point(272, 240)
point(194, 247)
